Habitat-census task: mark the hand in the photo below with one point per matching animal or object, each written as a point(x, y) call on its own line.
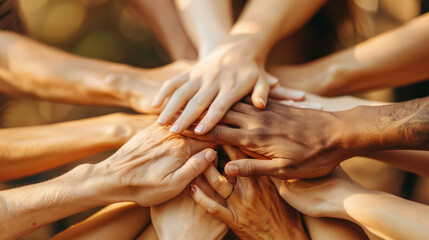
point(223, 78)
point(137, 88)
point(151, 168)
point(321, 197)
point(254, 209)
point(301, 143)
point(182, 218)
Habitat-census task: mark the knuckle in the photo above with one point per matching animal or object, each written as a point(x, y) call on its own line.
point(259, 135)
point(219, 181)
point(198, 102)
point(213, 209)
point(219, 107)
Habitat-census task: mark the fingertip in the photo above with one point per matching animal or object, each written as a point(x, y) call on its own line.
point(192, 189)
point(231, 169)
point(210, 155)
point(273, 81)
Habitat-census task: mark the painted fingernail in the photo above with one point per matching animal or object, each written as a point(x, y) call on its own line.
point(175, 128)
point(316, 106)
point(210, 155)
point(231, 169)
point(298, 94)
point(199, 129)
point(192, 189)
point(261, 101)
point(161, 120)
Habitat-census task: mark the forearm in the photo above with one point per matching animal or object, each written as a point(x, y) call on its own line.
point(396, 58)
point(263, 23)
point(207, 22)
point(116, 221)
point(387, 216)
point(162, 19)
point(28, 68)
point(408, 160)
point(27, 208)
point(30, 150)
point(402, 125)
point(332, 228)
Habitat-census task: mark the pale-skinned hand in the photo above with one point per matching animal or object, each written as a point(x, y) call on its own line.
point(182, 218)
point(152, 167)
point(215, 83)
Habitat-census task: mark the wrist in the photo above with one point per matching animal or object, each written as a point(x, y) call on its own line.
point(90, 187)
point(244, 47)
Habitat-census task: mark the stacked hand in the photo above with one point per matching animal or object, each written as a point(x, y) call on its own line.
point(223, 78)
point(253, 210)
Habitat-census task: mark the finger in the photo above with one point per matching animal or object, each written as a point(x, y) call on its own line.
point(233, 118)
point(279, 168)
point(211, 205)
point(215, 113)
point(260, 92)
point(243, 108)
point(194, 109)
point(179, 98)
point(233, 153)
point(308, 105)
point(221, 134)
point(273, 81)
point(195, 166)
point(168, 88)
point(218, 182)
point(287, 93)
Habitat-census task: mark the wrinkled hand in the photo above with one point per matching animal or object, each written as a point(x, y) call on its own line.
point(153, 167)
point(321, 197)
point(215, 83)
point(301, 143)
point(182, 218)
point(254, 209)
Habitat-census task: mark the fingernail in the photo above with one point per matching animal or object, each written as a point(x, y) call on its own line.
point(192, 189)
point(272, 80)
point(289, 102)
point(199, 129)
point(155, 103)
point(210, 155)
point(261, 101)
point(316, 106)
point(175, 128)
point(161, 120)
point(298, 94)
point(231, 169)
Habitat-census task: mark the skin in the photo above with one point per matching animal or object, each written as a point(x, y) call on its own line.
point(31, 150)
point(396, 58)
point(254, 210)
point(332, 228)
point(182, 218)
point(162, 20)
point(311, 143)
point(31, 69)
point(116, 221)
point(149, 169)
point(337, 196)
point(235, 67)
point(214, 22)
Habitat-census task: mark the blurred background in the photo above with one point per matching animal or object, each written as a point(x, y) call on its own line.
point(110, 30)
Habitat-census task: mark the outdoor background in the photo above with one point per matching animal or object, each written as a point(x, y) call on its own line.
point(108, 30)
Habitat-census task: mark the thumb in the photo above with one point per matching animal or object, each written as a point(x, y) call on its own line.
point(195, 166)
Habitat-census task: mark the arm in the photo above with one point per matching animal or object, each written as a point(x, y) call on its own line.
point(207, 22)
point(164, 160)
point(30, 150)
point(332, 228)
point(337, 196)
point(235, 67)
point(28, 68)
point(161, 18)
point(305, 143)
point(395, 58)
point(116, 221)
